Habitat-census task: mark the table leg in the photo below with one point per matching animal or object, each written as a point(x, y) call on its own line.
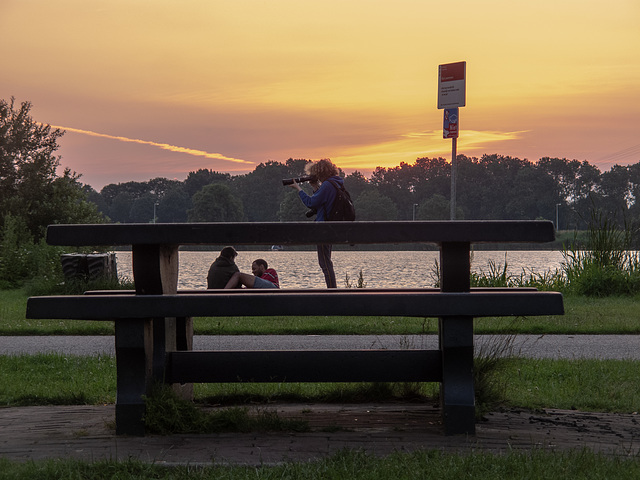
point(134, 351)
point(457, 396)
point(155, 271)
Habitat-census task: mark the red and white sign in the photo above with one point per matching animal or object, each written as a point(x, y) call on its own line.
point(452, 85)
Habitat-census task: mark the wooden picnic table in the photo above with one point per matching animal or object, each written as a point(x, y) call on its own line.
point(154, 329)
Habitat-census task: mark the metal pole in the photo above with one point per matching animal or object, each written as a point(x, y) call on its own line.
point(557, 226)
point(454, 161)
point(414, 211)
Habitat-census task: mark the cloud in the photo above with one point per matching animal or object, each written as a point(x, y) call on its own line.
point(407, 147)
point(163, 146)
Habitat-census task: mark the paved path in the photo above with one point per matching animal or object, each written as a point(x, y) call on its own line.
point(85, 433)
point(531, 346)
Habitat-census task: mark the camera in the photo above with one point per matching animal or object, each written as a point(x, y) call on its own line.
point(305, 178)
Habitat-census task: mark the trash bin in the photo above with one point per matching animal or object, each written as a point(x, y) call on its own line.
point(89, 266)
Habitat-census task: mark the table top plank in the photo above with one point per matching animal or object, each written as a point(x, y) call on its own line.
point(303, 233)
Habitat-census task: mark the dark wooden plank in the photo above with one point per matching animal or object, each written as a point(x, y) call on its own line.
point(304, 233)
point(305, 366)
point(358, 303)
point(457, 390)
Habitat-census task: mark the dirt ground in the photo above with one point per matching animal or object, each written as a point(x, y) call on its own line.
point(87, 432)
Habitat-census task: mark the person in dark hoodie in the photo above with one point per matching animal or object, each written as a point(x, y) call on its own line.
point(324, 193)
point(223, 268)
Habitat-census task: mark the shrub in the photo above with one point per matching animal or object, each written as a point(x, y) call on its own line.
point(605, 264)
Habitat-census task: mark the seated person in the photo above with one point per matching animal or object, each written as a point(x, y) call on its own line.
point(263, 277)
point(223, 268)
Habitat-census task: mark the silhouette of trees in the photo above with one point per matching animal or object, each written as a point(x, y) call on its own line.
point(490, 187)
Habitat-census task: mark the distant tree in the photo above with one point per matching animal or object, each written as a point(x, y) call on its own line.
point(431, 176)
point(142, 208)
point(396, 185)
point(159, 186)
point(131, 190)
point(296, 166)
point(95, 198)
point(534, 194)
point(200, 178)
point(614, 194)
point(261, 191)
point(215, 203)
point(356, 184)
point(292, 209)
point(435, 208)
point(634, 190)
point(120, 208)
point(373, 206)
point(173, 206)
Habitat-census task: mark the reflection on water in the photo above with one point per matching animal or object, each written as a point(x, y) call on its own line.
point(387, 269)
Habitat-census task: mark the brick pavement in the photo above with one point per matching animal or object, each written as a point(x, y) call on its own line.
point(86, 432)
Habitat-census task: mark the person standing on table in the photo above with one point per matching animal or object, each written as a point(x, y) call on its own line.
point(323, 196)
point(263, 277)
point(223, 268)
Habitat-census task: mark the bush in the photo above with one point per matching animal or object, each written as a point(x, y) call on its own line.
point(605, 265)
point(21, 259)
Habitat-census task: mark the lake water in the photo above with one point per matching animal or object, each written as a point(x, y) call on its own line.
point(389, 269)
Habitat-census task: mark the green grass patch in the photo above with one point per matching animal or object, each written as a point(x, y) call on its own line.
point(13, 307)
point(588, 385)
point(354, 465)
point(51, 379)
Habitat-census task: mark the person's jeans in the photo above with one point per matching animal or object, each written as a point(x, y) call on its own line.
point(324, 259)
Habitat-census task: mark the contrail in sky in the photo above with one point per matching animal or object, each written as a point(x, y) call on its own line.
point(164, 146)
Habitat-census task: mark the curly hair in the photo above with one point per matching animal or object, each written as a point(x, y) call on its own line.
point(322, 169)
point(262, 262)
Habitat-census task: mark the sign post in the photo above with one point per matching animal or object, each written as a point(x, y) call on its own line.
point(451, 96)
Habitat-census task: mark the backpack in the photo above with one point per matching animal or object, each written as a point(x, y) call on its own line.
point(342, 208)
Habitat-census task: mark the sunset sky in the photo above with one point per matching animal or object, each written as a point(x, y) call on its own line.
point(158, 88)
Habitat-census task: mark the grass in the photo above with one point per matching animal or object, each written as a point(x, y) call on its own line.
point(354, 465)
point(590, 385)
point(52, 379)
point(13, 305)
point(583, 315)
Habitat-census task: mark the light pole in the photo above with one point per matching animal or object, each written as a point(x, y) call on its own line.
point(414, 211)
point(155, 204)
point(557, 226)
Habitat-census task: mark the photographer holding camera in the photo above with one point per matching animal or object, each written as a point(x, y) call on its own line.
point(323, 196)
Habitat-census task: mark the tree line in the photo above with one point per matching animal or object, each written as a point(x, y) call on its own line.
point(492, 187)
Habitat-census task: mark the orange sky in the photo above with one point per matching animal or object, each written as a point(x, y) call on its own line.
point(160, 88)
